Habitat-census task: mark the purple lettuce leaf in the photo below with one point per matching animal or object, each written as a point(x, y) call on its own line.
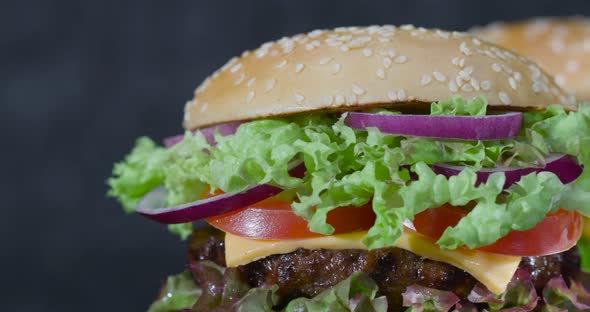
point(423, 299)
point(559, 297)
point(520, 295)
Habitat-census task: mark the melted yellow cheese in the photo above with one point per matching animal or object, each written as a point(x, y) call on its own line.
point(492, 270)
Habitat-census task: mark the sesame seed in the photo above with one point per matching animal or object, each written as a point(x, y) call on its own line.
point(187, 115)
point(367, 52)
point(469, 70)
point(358, 90)
point(230, 63)
point(455, 61)
point(391, 53)
point(486, 85)
point(335, 68)
point(476, 41)
point(325, 60)
point(380, 73)
point(475, 84)
point(344, 48)
point(504, 97)
point(439, 76)
point(270, 84)
point(392, 95)
point(467, 88)
point(507, 69)
point(459, 81)
point(250, 97)
point(339, 99)
point(401, 59)
point(453, 86)
point(299, 97)
point(386, 62)
point(274, 52)
point(461, 62)
point(316, 43)
point(490, 54)
point(235, 68)
point(281, 64)
point(384, 40)
point(560, 80)
point(240, 79)
point(358, 42)
point(535, 71)
point(299, 67)
point(250, 81)
point(517, 76)
point(301, 39)
point(261, 53)
point(309, 47)
point(267, 45)
point(464, 49)
point(425, 79)
point(328, 100)
point(315, 33)
point(496, 67)
point(401, 94)
point(407, 27)
point(537, 86)
point(333, 42)
point(464, 75)
point(442, 34)
point(203, 107)
point(512, 83)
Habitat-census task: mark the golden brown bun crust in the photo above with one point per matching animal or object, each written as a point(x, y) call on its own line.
point(364, 66)
point(561, 46)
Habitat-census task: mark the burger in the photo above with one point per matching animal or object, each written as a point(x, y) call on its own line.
point(372, 168)
point(560, 45)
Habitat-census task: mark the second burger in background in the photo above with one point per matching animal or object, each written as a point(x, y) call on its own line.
point(368, 169)
point(561, 46)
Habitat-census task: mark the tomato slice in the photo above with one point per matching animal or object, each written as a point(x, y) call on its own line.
point(274, 218)
point(558, 232)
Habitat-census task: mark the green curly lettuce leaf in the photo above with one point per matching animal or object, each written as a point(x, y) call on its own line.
point(356, 293)
point(584, 251)
point(141, 171)
point(459, 106)
point(178, 293)
point(347, 167)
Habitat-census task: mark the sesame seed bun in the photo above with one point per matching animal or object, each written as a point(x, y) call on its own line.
point(368, 66)
point(561, 46)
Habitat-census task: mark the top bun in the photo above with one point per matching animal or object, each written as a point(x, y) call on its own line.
point(561, 46)
point(367, 66)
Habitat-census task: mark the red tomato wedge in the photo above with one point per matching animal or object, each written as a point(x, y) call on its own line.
point(273, 218)
point(558, 232)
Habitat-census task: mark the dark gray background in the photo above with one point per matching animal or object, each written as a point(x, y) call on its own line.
point(80, 80)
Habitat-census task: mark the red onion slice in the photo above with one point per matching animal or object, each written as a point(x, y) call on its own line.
point(150, 205)
point(209, 133)
point(565, 167)
point(489, 127)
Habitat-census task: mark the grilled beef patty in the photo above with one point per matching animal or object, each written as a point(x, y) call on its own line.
point(307, 272)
